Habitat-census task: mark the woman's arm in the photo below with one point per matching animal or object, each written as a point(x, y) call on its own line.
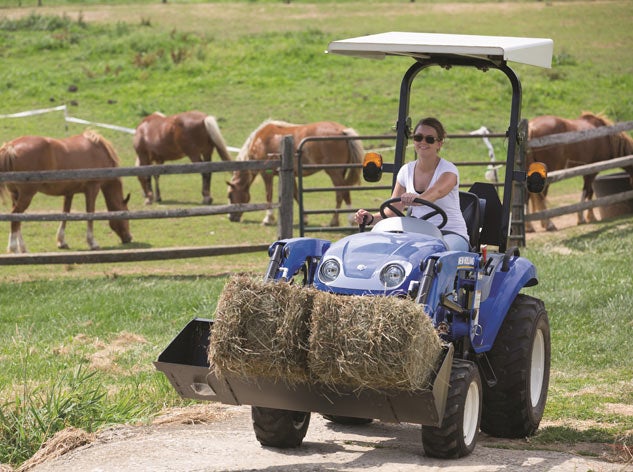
point(364, 217)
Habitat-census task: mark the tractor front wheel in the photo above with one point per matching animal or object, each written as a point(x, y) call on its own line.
point(279, 428)
point(457, 436)
point(520, 359)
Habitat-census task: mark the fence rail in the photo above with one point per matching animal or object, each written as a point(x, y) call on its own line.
point(127, 255)
point(579, 136)
point(284, 166)
point(563, 174)
point(143, 171)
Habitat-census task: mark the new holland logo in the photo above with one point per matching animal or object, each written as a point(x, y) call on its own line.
point(361, 267)
point(465, 262)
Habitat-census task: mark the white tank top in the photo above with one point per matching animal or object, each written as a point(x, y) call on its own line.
point(448, 203)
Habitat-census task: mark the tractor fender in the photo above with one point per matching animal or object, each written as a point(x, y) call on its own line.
point(504, 288)
point(447, 265)
point(296, 251)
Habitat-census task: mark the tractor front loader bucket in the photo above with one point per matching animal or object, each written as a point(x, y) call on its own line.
point(185, 363)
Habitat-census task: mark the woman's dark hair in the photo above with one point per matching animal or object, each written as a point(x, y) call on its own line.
point(433, 123)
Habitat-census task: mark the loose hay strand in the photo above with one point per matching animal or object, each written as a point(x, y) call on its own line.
point(59, 444)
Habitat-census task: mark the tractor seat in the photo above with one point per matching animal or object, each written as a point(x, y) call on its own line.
point(473, 210)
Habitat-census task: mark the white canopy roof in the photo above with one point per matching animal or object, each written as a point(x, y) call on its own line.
point(532, 51)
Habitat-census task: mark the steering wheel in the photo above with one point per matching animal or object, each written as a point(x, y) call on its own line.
point(436, 210)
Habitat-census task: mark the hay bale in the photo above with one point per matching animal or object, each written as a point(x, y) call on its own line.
point(261, 329)
point(372, 342)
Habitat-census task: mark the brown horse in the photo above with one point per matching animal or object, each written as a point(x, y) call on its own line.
point(161, 138)
point(85, 151)
point(561, 156)
point(266, 140)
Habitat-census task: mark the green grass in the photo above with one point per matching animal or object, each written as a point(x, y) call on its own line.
point(584, 278)
point(107, 329)
point(81, 339)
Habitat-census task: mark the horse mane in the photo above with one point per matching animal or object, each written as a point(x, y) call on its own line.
point(96, 138)
point(243, 154)
point(622, 143)
point(598, 119)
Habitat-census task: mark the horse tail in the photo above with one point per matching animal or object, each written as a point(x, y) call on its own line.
point(214, 131)
point(97, 139)
point(356, 153)
point(7, 159)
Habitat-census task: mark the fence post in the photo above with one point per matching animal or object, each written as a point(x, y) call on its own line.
point(286, 187)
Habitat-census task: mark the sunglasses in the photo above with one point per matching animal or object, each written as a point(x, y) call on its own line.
point(418, 138)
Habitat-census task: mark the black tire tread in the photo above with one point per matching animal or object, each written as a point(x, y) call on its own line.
point(507, 410)
point(446, 441)
point(277, 428)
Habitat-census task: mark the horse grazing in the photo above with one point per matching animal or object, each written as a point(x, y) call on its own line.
point(159, 138)
point(560, 156)
point(85, 151)
point(266, 140)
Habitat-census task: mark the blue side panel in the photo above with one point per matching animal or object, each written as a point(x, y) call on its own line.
point(504, 289)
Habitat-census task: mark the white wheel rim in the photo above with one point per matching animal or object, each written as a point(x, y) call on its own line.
point(537, 369)
point(471, 413)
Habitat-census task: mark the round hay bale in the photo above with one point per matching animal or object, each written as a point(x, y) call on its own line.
point(261, 329)
point(372, 343)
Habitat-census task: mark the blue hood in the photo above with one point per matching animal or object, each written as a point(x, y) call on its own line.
point(363, 255)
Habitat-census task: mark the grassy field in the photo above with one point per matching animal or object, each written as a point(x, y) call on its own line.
point(77, 342)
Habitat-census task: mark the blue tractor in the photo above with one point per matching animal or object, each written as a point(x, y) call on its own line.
point(494, 369)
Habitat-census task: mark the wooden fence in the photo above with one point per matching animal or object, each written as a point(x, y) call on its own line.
point(284, 165)
point(557, 176)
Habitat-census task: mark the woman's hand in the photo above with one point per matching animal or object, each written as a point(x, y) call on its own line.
point(407, 198)
point(363, 217)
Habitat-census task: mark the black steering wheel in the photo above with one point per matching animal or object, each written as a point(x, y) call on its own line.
point(436, 210)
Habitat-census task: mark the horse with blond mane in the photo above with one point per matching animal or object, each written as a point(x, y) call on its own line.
point(561, 156)
point(85, 151)
point(266, 141)
point(159, 138)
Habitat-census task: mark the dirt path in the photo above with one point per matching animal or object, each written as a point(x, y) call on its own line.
point(228, 444)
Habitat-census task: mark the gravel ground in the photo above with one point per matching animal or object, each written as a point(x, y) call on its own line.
point(228, 444)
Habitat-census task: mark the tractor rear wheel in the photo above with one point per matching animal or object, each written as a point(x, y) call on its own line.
point(279, 428)
point(520, 359)
point(457, 436)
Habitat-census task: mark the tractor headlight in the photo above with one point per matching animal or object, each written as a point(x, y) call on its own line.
point(329, 271)
point(392, 275)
